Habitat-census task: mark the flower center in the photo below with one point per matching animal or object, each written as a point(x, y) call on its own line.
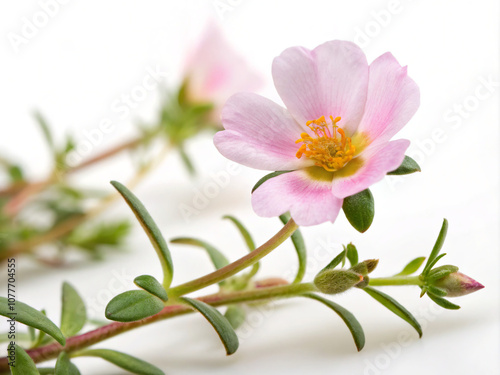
point(327, 149)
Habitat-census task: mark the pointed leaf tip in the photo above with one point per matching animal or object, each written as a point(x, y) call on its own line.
point(349, 319)
point(407, 166)
point(395, 307)
point(218, 321)
point(151, 285)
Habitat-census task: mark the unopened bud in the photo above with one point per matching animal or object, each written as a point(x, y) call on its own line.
point(336, 281)
point(365, 267)
point(457, 284)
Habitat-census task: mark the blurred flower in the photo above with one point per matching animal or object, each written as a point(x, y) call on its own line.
point(334, 136)
point(214, 71)
point(457, 284)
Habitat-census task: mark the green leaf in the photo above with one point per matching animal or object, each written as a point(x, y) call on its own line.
point(15, 173)
point(151, 230)
point(412, 267)
point(440, 272)
point(218, 321)
point(395, 307)
point(125, 361)
point(151, 285)
point(235, 315)
point(133, 305)
point(248, 240)
point(439, 292)
point(443, 302)
point(64, 366)
point(352, 254)
point(218, 259)
point(46, 370)
point(433, 263)
point(267, 177)
point(95, 236)
point(300, 248)
point(186, 160)
point(47, 134)
point(335, 262)
point(349, 319)
point(73, 314)
point(24, 365)
point(33, 318)
point(407, 166)
point(437, 247)
point(360, 210)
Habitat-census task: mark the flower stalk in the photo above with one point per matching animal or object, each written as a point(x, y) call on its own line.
point(237, 266)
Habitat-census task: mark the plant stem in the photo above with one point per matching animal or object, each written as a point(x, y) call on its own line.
point(395, 280)
point(85, 340)
point(70, 224)
point(235, 267)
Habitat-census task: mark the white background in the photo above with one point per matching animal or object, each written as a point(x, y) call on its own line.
point(91, 52)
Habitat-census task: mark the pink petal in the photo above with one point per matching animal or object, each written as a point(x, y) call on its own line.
point(259, 134)
point(377, 161)
point(393, 98)
point(331, 80)
point(310, 202)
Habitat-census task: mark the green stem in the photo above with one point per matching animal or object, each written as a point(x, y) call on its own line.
point(395, 280)
point(235, 267)
point(76, 343)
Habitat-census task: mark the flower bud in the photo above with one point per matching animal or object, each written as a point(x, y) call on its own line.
point(336, 281)
point(457, 284)
point(365, 267)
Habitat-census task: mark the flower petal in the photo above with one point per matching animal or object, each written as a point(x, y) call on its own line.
point(393, 98)
point(309, 201)
point(259, 134)
point(376, 162)
point(331, 80)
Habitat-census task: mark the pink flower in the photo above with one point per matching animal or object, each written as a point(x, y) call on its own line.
point(334, 134)
point(214, 71)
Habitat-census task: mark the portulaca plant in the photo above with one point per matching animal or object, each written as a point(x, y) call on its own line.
point(330, 144)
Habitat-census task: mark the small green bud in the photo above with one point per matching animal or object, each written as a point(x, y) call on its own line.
point(365, 267)
point(457, 284)
point(333, 281)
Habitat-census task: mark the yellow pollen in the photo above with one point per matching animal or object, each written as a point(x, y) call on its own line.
point(329, 149)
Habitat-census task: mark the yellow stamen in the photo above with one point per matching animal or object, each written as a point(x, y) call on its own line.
point(327, 149)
